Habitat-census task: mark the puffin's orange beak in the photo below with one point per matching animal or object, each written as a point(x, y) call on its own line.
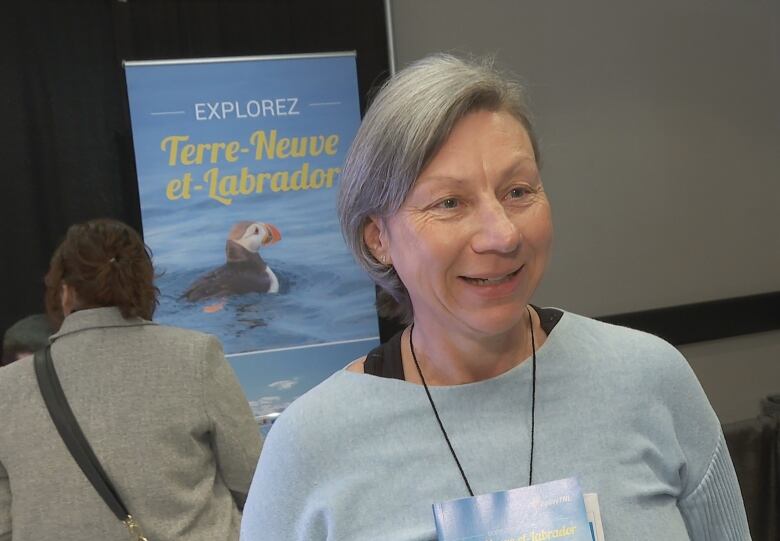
point(272, 236)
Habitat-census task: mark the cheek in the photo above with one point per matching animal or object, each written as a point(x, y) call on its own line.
point(436, 248)
point(420, 254)
point(541, 238)
point(540, 228)
point(545, 237)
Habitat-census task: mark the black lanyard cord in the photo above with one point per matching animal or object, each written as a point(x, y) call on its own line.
point(441, 425)
point(533, 397)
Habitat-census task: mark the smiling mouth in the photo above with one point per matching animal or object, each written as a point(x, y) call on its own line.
point(492, 281)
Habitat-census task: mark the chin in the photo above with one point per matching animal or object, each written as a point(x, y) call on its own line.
point(496, 321)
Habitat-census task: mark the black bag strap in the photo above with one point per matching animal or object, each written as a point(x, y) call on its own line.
point(73, 437)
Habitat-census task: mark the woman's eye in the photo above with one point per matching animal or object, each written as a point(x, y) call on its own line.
point(449, 203)
point(517, 193)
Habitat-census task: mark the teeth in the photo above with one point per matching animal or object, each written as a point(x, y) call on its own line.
point(492, 281)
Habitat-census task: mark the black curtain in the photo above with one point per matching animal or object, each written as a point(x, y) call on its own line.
point(66, 139)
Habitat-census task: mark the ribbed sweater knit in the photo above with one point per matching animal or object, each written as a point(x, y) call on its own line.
point(362, 458)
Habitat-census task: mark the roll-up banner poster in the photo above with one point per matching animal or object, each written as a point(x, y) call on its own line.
point(238, 163)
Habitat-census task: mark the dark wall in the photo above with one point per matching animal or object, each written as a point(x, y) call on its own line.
point(67, 147)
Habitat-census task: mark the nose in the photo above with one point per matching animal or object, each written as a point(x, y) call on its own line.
point(494, 230)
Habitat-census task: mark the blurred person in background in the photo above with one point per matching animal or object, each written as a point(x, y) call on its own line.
point(160, 406)
point(25, 337)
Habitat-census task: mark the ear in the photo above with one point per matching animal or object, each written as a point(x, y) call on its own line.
point(377, 238)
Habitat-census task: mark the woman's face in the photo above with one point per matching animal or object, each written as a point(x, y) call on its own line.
point(472, 239)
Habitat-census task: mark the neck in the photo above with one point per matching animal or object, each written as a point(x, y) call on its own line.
point(448, 358)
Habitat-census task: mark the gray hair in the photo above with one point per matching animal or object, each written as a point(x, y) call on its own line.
point(409, 120)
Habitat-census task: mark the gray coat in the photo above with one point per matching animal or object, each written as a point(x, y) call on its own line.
point(165, 416)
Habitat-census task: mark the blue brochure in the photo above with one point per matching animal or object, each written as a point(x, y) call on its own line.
point(548, 511)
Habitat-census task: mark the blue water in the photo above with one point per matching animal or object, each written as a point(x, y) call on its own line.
point(324, 296)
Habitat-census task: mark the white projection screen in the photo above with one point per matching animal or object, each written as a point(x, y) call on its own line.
point(660, 132)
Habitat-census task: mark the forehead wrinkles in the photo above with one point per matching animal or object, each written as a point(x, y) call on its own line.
point(523, 165)
point(462, 159)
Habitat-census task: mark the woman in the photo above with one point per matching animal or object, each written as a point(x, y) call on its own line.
point(442, 203)
point(160, 407)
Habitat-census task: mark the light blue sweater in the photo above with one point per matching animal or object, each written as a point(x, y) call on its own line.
point(362, 458)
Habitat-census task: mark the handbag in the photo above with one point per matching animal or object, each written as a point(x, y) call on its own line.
point(77, 444)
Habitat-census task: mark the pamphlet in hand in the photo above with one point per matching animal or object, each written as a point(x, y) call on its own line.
point(594, 516)
point(544, 512)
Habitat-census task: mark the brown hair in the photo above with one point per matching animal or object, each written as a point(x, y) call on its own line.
point(107, 264)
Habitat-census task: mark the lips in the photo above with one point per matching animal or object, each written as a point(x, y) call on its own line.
point(492, 280)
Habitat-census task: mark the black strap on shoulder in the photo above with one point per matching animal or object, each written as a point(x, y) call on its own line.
point(71, 433)
point(385, 360)
point(548, 318)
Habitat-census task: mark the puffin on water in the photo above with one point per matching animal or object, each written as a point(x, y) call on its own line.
point(244, 270)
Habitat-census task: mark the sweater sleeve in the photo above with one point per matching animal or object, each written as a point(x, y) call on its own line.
point(709, 498)
point(235, 435)
point(285, 500)
point(714, 510)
